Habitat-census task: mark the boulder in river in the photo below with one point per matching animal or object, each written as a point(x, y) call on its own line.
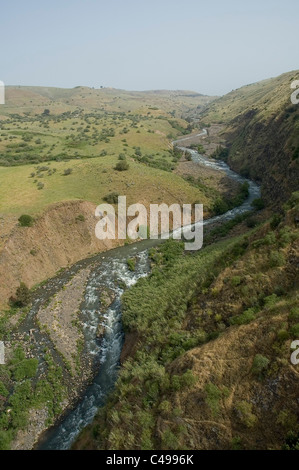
point(100, 330)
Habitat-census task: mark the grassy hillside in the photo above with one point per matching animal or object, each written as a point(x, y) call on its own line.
point(43, 136)
point(90, 180)
point(63, 144)
point(261, 129)
point(267, 97)
point(207, 356)
point(105, 99)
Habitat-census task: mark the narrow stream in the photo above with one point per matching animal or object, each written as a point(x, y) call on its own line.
point(110, 270)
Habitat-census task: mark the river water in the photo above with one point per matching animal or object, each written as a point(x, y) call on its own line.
point(110, 270)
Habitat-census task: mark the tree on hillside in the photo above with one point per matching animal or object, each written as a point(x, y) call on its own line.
point(23, 295)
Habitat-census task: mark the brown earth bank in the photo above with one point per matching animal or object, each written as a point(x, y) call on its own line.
point(63, 235)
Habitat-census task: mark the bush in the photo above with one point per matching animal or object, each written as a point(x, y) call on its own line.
point(271, 300)
point(188, 379)
point(26, 220)
point(276, 259)
point(213, 396)
point(294, 313)
point(26, 369)
point(292, 441)
point(244, 318)
point(247, 417)
point(111, 198)
point(260, 365)
point(258, 204)
point(23, 296)
point(5, 440)
point(220, 207)
point(270, 239)
point(67, 171)
point(275, 221)
point(282, 335)
point(169, 440)
point(122, 166)
point(236, 443)
point(3, 390)
point(252, 222)
point(236, 281)
point(295, 331)
point(287, 419)
point(131, 262)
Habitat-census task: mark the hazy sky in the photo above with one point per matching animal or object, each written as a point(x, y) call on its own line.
point(207, 46)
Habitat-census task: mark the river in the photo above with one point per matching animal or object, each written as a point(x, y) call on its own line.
point(110, 270)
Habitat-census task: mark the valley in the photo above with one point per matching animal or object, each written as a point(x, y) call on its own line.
point(203, 338)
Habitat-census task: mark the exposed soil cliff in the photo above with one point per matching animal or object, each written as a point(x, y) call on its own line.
point(59, 238)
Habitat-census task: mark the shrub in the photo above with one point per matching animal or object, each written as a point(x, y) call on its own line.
point(122, 166)
point(270, 239)
point(276, 259)
point(23, 295)
point(131, 262)
point(220, 207)
point(165, 406)
point(221, 153)
point(5, 440)
point(275, 221)
point(258, 204)
point(286, 236)
point(287, 419)
point(271, 300)
point(3, 390)
point(245, 410)
point(244, 318)
point(111, 198)
point(26, 220)
point(169, 440)
point(292, 441)
point(26, 369)
point(260, 365)
point(295, 330)
point(236, 281)
point(80, 218)
point(188, 379)
point(236, 443)
point(294, 199)
point(251, 222)
point(213, 396)
point(282, 335)
point(294, 313)
point(67, 171)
